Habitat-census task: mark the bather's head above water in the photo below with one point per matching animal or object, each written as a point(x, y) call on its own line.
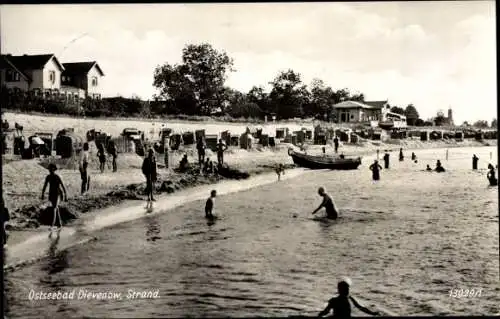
point(321, 191)
point(343, 286)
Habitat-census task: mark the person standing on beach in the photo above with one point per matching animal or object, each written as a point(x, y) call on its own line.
point(200, 146)
point(341, 305)
point(413, 156)
point(84, 164)
point(209, 205)
point(386, 160)
point(221, 147)
point(328, 204)
point(5, 219)
point(375, 168)
point(114, 154)
point(474, 161)
point(149, 171)
point(56, 187)
point(401, 156)
point(336, 143)
point(101, 154)
point(280, 170)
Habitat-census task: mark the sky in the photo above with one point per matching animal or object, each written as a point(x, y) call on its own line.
point(435, 55)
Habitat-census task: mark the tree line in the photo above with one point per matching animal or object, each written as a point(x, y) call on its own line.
point(197, 87)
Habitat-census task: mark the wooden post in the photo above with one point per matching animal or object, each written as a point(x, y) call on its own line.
point(378, 152)
point(446, 154)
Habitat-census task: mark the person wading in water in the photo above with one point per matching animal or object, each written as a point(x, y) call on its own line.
point(386, 160)
point(328, 204)
point(375, 168)
point(84, 164)
point(439, 168)
point(474, 161)
point(341, 305)
point(149, 171)
point(56, 187)
point(491, 176)
point(209, 205)
point(401, 156)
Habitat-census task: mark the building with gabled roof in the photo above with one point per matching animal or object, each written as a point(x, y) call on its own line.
point(84, 76)
point(28, 72)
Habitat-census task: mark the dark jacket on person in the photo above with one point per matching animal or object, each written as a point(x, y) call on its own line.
point(149, 168)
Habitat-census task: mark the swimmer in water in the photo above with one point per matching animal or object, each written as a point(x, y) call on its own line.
point(428, 168)
point(209, 205)
point(341, 305)
point(328, 204)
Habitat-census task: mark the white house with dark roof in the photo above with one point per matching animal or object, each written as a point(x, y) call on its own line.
point(84, 76)
point(29, 72)
point(355, 112)
point(46, 74)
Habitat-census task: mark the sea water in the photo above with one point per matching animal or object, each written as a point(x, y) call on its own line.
point(406, 241)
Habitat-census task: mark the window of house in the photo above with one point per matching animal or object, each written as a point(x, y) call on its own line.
point(94, 81)
point(352, 116)
point(52, 76)
point(12, 76)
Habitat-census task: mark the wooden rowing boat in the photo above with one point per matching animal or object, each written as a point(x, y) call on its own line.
point(323, 161)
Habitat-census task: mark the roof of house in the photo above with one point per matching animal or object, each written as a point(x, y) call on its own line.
point(32, 62)
point(354, 105)
point(76, 68)
point(6, 64)
point(377, 104)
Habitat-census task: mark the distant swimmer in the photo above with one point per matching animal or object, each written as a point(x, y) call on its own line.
point(491, 176)
point(209, 205)
point(428, 168)
point(375, 168)
point(439, 168)
point(475, 159)
point(341, 305)
point(328, 204)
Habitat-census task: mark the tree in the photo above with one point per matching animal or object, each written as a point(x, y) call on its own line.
point(398, 110)
point(288, 95)
point(439, 120)
point(481, 124)
point(258, 96)
point(322, 98)
point(411, 114)
point(494, 123)
point(195, 86)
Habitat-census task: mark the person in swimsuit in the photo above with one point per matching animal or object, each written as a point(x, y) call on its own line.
point(149, 169)
point(84, 163)
point(428, 168)
point(328, 204)
point(341, 305)
point(280, 170)
point(491, 176)
point(55, 187)
point(209, 205)
point(375, 168)
point(101, 154)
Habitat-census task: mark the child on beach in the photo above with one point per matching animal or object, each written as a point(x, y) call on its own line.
point(55, 187)
point(280, 170)
point(101, 154)
point(341, 305)
point(209, 205)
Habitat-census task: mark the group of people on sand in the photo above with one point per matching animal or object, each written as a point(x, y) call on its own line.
point(101, 155)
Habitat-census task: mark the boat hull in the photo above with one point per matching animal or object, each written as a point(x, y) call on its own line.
point(325, 162)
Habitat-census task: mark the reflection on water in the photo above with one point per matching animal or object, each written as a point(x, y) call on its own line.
point(405, 242)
